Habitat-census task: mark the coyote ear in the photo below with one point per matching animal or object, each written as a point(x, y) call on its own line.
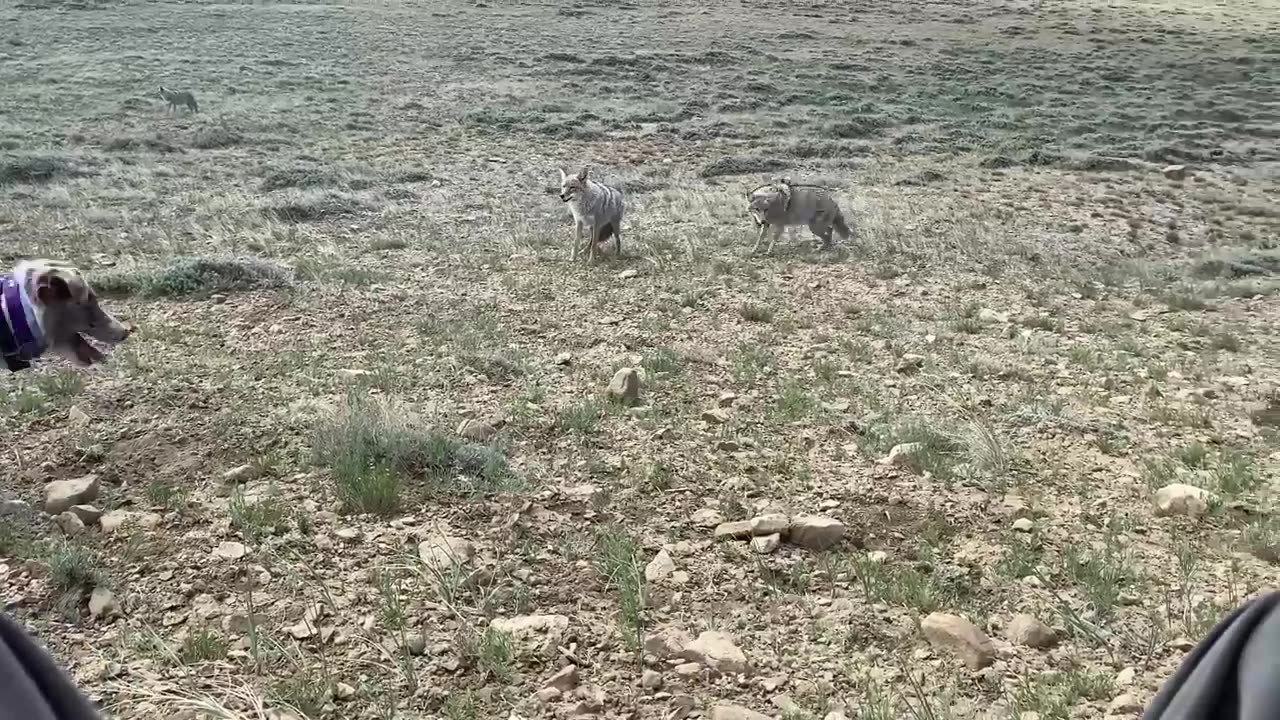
point(583, 175)
point(563, 174)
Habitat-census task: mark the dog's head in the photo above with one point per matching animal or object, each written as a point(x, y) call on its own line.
point(69, 310)
point(162, 92)
point(572, 186)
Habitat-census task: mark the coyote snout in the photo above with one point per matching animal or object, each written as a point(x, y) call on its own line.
point(46, 305)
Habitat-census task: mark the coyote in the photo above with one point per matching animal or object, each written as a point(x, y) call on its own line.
point(596, 208)
point(47, 305)
point(179, 97)
point(781, 204)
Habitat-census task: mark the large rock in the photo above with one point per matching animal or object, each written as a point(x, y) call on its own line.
point(70, 523)
point(1179, 499)
point(666, 641)
point(961, 637)
point(533, 633)
point(1029, 631)
point(441, 552)
point(736, 530)
point(770, 524)
point(815, 532)
point(717, 651)
point(728, 711)
point(625, 386)
point(60, 495)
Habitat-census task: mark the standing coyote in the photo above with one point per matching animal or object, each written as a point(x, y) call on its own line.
point(596, 208)
point(179, 97)
point(780, 205)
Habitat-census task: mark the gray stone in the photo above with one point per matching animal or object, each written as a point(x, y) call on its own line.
point(60, 495)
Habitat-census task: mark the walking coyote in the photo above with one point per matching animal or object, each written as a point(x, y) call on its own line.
point(781, 204)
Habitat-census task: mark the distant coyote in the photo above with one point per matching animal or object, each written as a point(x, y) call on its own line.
point(781, 204)
point(179, 97)
point(596, 208)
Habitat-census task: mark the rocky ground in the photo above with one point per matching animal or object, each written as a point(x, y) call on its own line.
point(380, 449)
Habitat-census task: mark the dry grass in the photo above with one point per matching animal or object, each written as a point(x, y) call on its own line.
point(355, 246)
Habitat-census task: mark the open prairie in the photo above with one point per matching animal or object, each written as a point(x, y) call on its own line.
point(1010, 449)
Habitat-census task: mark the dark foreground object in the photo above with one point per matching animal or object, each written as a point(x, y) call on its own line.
point(32, 687)
point(1233, 674)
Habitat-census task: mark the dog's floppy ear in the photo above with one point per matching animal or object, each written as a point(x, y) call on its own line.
point(583, 175)
point(52, 288)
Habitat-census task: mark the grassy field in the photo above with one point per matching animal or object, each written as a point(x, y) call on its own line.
point(359, 460)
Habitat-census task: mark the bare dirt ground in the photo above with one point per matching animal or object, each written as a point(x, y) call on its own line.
point(359, 461)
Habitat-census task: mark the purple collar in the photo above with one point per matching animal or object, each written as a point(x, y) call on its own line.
point(20, 343)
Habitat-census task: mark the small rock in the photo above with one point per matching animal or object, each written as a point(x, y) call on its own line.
point(347, 534)
point(564, 680)
point(112, 521)
point(717, 651)
point(70, 523)
point(102, 604)
point(77, 416)
point(1179, 499)
point(765, 544)
point(350, 373)
point(563, 358)
point(415, 643)
point(728, 711)
point(440, 552)
point(343, 691)
point(60, 495)
point(954, 633)
point(1024, 525)
point(547, 695)
point(815, 532)
point(909, 363)
point(628, 274)
point(533, 633)
point(1125, 677)
point(651, 680)
point(707, 517)
point(1175, 172)
point(771, 524)
point(476, 430)
point(229, 550)
point(900, 455)
point(238, 475)
point(666, 641)
point(1027, 630)
point(726, 399)
point(688, 669)
point(625, 386)
point(660, 567)
point(88, 514)
point(736, 530)
point(987, 315)
point(835, 715)
point(1124, 704)
point(715, 416)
